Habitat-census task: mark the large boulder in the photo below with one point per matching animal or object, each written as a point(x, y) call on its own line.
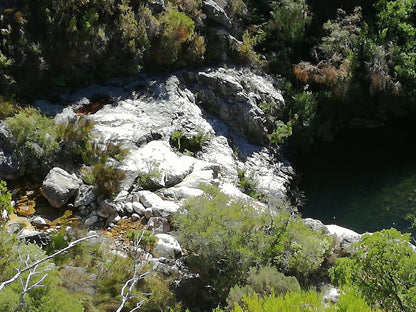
point(59, 187)
point(344, 237)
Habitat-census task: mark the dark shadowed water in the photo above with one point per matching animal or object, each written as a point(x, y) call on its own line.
point(365, 180)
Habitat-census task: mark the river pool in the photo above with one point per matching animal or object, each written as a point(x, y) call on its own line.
point(365, 180)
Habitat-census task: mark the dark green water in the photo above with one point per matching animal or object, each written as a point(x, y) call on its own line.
point(365, 180)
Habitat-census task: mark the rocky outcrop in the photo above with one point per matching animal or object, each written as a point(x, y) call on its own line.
point(217, 109)
point(216, 13)
point(59, 186)
point(222, 104)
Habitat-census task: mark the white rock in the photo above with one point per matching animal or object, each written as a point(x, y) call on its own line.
point(85, 195)
point(315, 225)
point(135, 217)
point(128, 207)
point(138, 208)
point(90, 233)
point(233, 191)
point(182, 192)
point(122, 196)
point(39, 220)
point(344, 237)
point(4, 215)
point(59, 186)
point(149, 199)
point(219, 152)
point(148, 213)
point(166, 208)
point(167, 246)
point(331, 294)
point(339, 231)
point(159, 206)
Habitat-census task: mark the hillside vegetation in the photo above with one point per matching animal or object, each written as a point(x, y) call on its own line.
point(336, 61)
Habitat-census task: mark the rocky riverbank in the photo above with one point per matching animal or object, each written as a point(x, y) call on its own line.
point(155, 119)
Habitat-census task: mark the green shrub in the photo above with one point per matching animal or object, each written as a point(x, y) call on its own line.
point(8, 108)
point(51, 297)
point(248, 185)
point(150, 180)
point(134, 40)
point(195, 49)
point(180, 142)
point(148, 240)
point(5, 198)
point(105, 177)
point(281, 132)
point(178, 29)
point(246, 50)
point(102, 168)
point(265, 281)
point(35, 136)
point(225, 237)
point(301, 301)
point(161, 298)
point(76, 138)
point(301, 250)
point(289, 20)
point(382, 268)
point(8, 261)
point(111, 277)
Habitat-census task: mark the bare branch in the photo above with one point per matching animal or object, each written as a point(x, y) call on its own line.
point(138, 306)
point(26, 287)
point(131, 283)
point(29, 267)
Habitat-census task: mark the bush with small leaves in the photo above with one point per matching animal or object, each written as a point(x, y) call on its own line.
point(8, 108)
point(301, 301)
point(76, 138)
point(148, 240)
point(382, 268)
point(35, 136)
point(106, 177)
point(177, 34)
point(248, 185)
point(225, 237)
point(180, 142)
point(5, 198)
point(50, 296)
point(264, 281)
point(102, 168)
point(246, 50)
